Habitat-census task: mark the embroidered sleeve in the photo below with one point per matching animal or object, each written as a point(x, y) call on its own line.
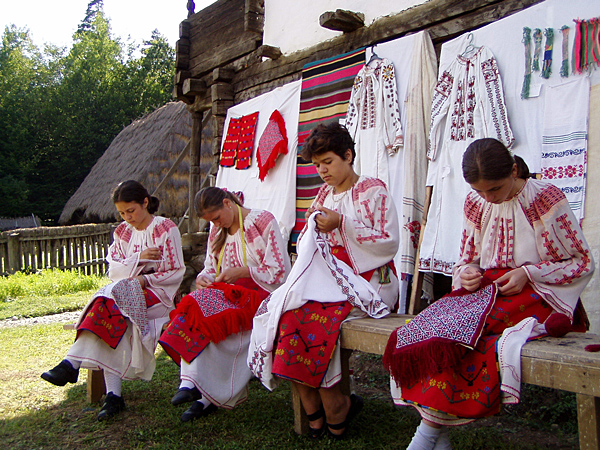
point(439, 108)
point(496, 115)
point(393, 137)
point(169, 272)
point(265, 240)
point(372, 241)
point(122, 263)
point(352, 116)
point(210, 261)
point(566, 262)
point(470, 245)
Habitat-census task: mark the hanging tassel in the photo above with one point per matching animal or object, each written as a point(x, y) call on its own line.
point(527, 79)
point(577, 47)
point(592, 36)
point(596, 39)
point(564, 67)
point(537, 39)
point(547, 67)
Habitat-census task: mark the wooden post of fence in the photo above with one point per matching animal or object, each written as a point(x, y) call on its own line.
point(14, 252)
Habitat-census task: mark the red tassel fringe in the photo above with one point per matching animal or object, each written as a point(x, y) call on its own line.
point(413, 363)
point(221, 325)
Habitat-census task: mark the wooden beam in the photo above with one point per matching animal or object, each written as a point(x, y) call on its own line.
point(221, 91)
point(342, 20)
point(268, 51)
point(193, 87)
point(195, 144)
point(254, 16)
point(222, 74)
point(222, 55)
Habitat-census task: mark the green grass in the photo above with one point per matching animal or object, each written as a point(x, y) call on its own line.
point(47, 282)
point(48, 292)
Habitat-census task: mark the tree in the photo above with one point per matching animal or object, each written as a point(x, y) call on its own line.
point(60, 109)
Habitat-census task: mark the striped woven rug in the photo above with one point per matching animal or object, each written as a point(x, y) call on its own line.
point(325, 92)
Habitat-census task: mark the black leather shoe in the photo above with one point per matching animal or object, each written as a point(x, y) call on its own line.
point(186, 395)
point(62, 374)
point(197, 410)
point(113, 405)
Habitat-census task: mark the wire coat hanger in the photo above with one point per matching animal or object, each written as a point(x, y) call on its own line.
point(374, 56)
point(470, 48)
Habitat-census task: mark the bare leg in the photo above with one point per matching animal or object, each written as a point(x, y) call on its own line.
point(311, 401)
point(336, 406)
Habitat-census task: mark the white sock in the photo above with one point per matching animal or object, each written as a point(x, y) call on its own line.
point(76, 364)
point(113, 383)
point(443, 442)
point(186, 384)
point(425, 437)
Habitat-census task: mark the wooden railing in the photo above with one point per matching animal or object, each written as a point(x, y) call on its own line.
point(81, 247)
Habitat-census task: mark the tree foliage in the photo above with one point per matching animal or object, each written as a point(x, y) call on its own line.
point(61, 108)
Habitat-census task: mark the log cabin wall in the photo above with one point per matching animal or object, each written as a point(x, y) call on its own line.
point(221, 60)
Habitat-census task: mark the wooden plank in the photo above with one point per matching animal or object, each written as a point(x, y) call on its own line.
point(300, 419)
point(224, 54)
point(588, 414)
point(95, 386)
point(342, 20)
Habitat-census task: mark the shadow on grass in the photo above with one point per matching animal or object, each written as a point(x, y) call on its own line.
point(264, 421)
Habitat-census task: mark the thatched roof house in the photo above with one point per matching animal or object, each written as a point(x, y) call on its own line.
point(144, 151)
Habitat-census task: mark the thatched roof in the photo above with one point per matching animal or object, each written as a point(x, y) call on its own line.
point(7, 224)
point(143, 151)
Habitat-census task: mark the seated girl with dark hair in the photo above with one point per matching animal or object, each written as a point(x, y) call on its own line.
point(344, 270)
point(524, 263)
point(119, 328)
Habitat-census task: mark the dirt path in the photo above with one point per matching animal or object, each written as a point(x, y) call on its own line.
point(68, 317)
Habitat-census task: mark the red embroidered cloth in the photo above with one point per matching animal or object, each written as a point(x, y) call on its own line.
point(271, 144)
point(210, 315)
point(307, 338)
point(239, 142)
point(105, 320)
point(470, 386)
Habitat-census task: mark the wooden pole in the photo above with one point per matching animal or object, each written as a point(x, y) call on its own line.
point(195, 144)
point(14, 252)
point(417, 285)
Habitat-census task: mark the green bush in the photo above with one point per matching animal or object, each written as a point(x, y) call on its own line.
point(47, 282)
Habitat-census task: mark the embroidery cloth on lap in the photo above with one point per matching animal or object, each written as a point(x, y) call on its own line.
point(210, 315)
point(427, 343)
point(114, 302)
point(307, 339)
point(471, 388)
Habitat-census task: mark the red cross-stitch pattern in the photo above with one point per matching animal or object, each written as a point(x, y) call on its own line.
point(543, 203)
point(378, 224)
point(551, 250)
point(123, 232)
point(473, 211)
point(468, 249)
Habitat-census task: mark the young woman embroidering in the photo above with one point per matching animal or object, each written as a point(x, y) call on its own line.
point(208, 336)
point(344, 269)
point(119, 328)
point(524, 263)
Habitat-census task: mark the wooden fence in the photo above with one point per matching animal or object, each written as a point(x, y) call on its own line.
point(81, 247)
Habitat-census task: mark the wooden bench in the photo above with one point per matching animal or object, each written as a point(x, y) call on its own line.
point(558, 363)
